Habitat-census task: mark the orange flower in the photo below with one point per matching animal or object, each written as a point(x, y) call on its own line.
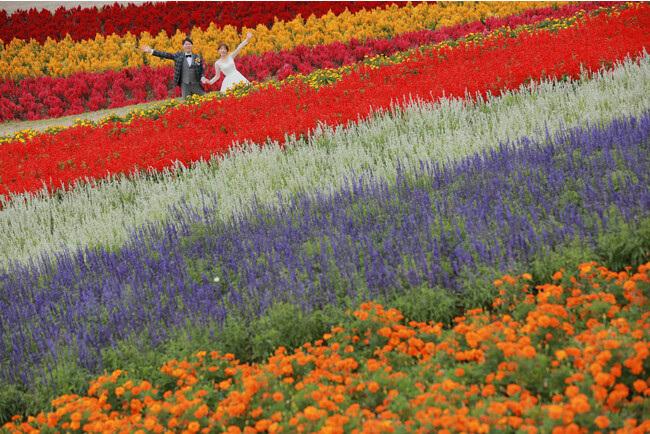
point(255, 413)
point(235, 409)
point(601, 421)
point(571, 391)
point(640, 386)
point(448, 385)
point(555, 411)
point(373, 386)
point(544, 321)
point(362, 315)
point(488, 390)
point(262, 425)
point(312, 413)
point(202, 411)
point(580, 404)
point(528, 351)
point(373, 365)
point(497, 408)
point(604, 379)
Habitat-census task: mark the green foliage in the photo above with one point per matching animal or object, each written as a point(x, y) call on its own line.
point(625, 246)
point(65, 378)
point(543, 266)
point(286, 325)
point(11, 403)
point(424, 304)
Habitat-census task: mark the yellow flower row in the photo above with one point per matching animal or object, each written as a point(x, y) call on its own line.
point(29, 58)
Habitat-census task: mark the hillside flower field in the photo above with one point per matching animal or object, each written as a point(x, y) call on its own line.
point(109, 71)
point(417, 217)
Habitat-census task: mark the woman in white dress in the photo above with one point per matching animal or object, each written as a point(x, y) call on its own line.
point(226, 64)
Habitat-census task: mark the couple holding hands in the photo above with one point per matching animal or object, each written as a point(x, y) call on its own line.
point(188, 67)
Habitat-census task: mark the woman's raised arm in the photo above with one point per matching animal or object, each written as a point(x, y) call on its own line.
point(249, 35)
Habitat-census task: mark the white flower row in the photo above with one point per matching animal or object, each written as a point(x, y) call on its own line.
point(445, 130)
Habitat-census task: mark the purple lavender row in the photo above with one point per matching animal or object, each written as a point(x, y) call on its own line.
point(498, 209)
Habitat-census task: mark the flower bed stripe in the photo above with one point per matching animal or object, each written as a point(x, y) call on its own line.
point(44, 97)
point(84, 23)
point(28, 59)
point(103, 214)
point(544, 361)
point(493, 65)
point(371, 240)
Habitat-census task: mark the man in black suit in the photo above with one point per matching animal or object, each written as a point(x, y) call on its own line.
point(188, 68)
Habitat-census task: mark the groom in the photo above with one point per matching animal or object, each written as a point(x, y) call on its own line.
point(188, 68)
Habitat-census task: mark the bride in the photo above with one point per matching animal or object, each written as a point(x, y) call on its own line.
point(226, 64)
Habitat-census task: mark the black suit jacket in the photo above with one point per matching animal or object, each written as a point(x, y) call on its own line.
point(178, 58)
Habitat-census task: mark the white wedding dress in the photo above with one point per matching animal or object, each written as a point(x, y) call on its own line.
point(233, 76)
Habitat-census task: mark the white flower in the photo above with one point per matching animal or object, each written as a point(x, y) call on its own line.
point(216, 279)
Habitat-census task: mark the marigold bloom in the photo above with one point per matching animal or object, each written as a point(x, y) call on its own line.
point(580, 404)
point(601, 421)
point(312, 413)
point(555, 411)
point(528, 351)
point(262, 425)
point(488, 390)
point(373, 386)
point(258, 411)
point(202, 411)
point(571, 391)
point(448, 385)
point(497, 408)
point(640, 386)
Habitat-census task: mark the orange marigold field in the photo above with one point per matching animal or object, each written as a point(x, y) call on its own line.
point(570, 356)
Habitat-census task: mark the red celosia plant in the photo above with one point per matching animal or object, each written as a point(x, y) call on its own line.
point(84, 23)
point(572, 355)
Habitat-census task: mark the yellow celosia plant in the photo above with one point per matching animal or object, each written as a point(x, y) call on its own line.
point(22, 58)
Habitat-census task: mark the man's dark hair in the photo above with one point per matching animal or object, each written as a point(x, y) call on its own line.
point(187, 40)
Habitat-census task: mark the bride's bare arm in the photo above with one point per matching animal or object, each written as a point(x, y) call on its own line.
point(249, 35)
point(217, 73)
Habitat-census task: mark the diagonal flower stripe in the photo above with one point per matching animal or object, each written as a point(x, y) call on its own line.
point(555, 358)
point(383, 372)
point(493, 65)
point(370, 240)
point(83, 23)
point(110, 52)
point(44, 97)
point(102, 213)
